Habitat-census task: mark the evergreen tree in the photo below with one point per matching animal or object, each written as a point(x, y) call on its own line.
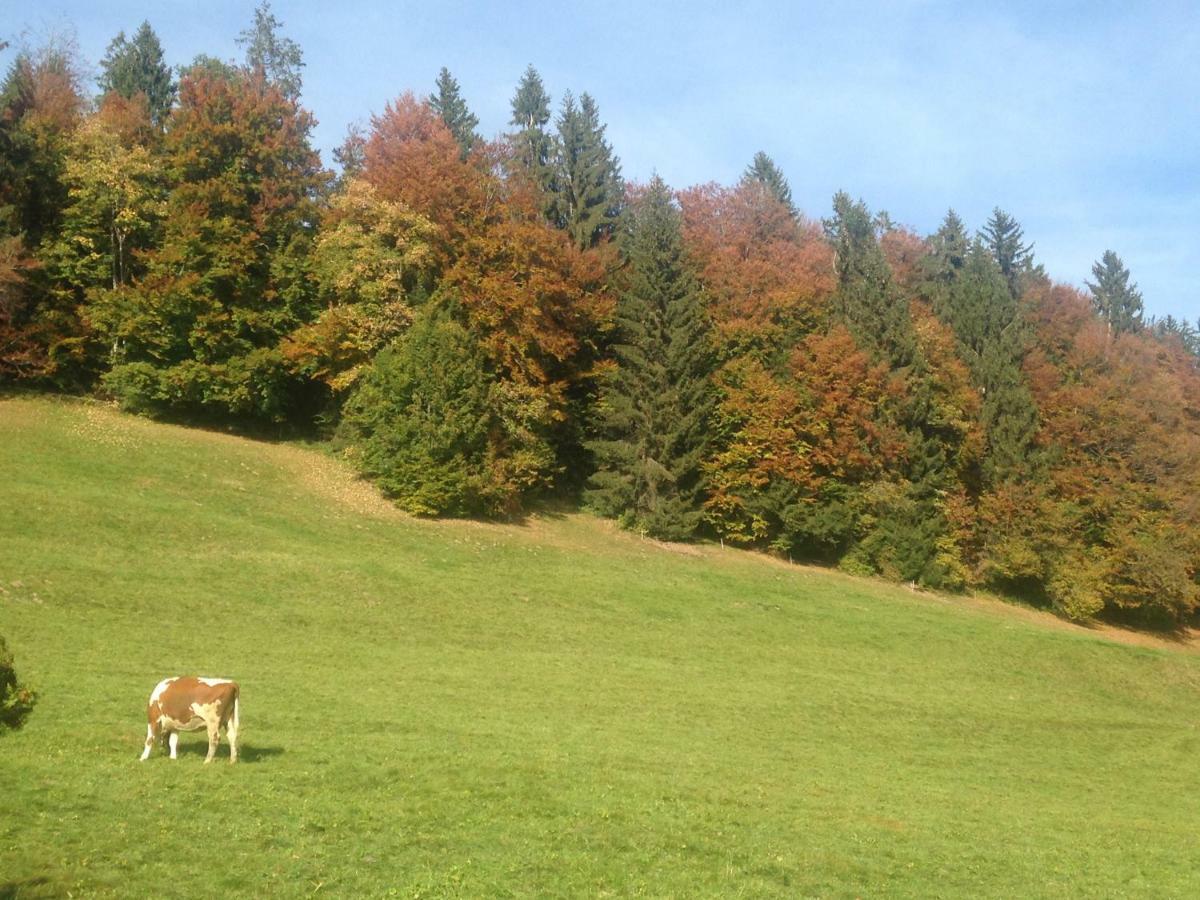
point(948, 250)
point(903, 519)
point(449, 104)
point(530, 113)
point(866, 298)
point(762, 170)
point(655, 405)
point(1113, 297)
point(1003, 237)
point(1182, 329)
point(588, 184)
point(969, 292)
point(133, 67)
point(278, 58)
point(420, 419)
point(352, 154)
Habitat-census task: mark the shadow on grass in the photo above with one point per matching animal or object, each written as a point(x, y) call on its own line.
point(28, 887)
point(247, 753)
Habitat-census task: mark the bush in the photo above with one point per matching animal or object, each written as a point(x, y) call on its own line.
point(16, 700)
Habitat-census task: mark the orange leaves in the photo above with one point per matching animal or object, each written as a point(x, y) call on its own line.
point(531, 295)
point(1118, 412)
point(765, 274)
point(411, 157)
point(817, 425)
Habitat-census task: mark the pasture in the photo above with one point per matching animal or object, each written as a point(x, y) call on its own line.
point(557, 708)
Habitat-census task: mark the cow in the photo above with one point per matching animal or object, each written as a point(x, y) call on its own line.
point(189, 704)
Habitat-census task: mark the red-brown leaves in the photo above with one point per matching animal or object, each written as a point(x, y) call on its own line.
point(766, 275)
point(412, 157)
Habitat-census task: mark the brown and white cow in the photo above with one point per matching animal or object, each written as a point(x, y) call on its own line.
point(189, 704)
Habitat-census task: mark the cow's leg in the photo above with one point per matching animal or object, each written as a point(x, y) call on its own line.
point(150, 736)
point(231, 730)
point(214, 737)
point(173, 740)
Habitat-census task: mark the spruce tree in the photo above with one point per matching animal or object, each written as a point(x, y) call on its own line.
point(419, 421)
point(866, 299)
point(278, 58)
point(1004, 239)
point(587, 183)
point(530, 113)
point(448, 103)
point(655, 405)
point(969, 292)
point(762, 170)
point(905, 520)
point(1116, 300)
point(136, 66)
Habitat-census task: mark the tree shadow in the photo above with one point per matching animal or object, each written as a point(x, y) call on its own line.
point(10, 890)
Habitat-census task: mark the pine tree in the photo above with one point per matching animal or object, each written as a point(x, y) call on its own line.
point(133, 67)
point(655, 405)
point(279, 58)
point(449, 104)
point(866, 298)
point(906, 516)
point(1003, 237)
point(969, 292)
point(420, 419)
point(588, 184)
point(763, 171)
point(1113, 297)
point(947, 250)
point(530, 113)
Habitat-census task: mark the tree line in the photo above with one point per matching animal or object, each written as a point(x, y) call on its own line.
point(478, 324)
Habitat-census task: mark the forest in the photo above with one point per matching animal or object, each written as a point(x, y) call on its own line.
point(482, 326)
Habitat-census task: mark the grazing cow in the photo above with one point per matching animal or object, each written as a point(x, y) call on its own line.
point(189, 704)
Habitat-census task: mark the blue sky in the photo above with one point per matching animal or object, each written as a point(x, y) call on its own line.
point(1082, 120)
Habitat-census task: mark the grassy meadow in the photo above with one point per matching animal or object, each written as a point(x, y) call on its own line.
point(435, 709)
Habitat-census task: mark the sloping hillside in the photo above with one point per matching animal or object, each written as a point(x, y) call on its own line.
point(552, 709)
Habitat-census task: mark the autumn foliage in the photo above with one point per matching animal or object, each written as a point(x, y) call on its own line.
point(477, 324)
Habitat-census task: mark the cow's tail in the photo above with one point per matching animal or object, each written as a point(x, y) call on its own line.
point(237, 702)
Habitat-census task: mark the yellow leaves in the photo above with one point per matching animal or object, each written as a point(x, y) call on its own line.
point(371, 249)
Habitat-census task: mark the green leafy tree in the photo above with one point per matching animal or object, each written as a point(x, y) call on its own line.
point(1116, 300)
point(588, 185)
point(136, 66)
point(655, 404)
point(199, 333)
point(370, 263)
point(763, 171)
point(113, 206)
point(16, 700)
point(448, 103)
point(267, 50)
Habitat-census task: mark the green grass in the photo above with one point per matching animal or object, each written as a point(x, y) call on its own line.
point(555, 709)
